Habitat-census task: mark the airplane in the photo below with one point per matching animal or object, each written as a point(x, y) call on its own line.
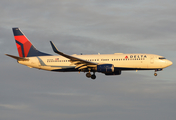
point(108, 64)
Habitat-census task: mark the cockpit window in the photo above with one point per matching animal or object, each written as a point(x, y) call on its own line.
point(161, 58)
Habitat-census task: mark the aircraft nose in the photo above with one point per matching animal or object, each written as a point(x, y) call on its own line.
point(169, 63)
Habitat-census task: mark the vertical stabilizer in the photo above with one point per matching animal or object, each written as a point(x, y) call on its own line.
point(24, 46)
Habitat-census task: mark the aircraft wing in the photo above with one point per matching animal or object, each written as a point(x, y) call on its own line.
point(80, 63)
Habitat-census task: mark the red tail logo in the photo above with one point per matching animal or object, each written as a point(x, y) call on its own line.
point(23, 45)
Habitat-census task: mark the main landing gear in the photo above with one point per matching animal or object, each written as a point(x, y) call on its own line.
point(93, 76)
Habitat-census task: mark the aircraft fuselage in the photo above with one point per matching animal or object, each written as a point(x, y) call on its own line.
point(120, 61)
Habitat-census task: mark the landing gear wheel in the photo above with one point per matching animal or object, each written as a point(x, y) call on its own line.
point(93, 76)
point(88, 75)
point(155, 74)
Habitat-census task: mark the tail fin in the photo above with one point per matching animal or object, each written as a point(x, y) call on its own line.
point(24, 46)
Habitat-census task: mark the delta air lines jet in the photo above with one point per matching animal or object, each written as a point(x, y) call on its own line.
point(108, 64)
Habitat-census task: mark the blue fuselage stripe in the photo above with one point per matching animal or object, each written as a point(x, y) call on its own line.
point(116, 68)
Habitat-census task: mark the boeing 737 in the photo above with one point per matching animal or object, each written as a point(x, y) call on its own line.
point(108, 64)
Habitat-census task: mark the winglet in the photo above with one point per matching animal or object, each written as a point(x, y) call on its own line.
point(60, 53)
point(54, 47)
point(57, 51)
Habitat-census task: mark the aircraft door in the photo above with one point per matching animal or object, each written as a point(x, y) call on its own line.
point(151, 59)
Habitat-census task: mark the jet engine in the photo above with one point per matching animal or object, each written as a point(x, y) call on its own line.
point(105, 68)
point(108, 69)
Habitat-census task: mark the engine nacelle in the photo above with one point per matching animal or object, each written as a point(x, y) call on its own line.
point(105, 68)
point(116, 72)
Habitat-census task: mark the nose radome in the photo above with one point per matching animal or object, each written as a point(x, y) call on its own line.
point(169, 63)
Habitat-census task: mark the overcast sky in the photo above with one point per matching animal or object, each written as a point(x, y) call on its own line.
point(88, 27)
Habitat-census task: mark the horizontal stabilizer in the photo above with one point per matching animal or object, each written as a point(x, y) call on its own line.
point(18, 58)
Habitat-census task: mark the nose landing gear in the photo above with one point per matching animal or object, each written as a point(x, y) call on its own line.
point(155, 74)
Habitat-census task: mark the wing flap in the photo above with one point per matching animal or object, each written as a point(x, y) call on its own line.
point(79, 65)
point(83, 67)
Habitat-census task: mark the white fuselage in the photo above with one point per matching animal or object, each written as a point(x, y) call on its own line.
point(119, 60)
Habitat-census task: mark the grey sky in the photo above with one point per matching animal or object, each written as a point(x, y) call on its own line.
point(88, 27)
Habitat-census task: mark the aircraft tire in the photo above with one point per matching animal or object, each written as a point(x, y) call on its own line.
point(93, 76)
point(88, 75)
